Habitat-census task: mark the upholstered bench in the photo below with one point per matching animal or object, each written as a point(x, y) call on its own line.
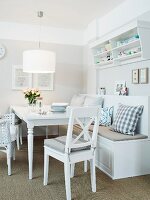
point(121, 155)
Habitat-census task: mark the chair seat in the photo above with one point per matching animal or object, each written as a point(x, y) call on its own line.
point(59, 143)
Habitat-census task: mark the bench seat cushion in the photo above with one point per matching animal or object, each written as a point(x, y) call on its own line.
point(112, 135)
point(115, 136)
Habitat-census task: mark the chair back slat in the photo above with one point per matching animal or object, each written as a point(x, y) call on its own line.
point(84, 116)
point(5, 137)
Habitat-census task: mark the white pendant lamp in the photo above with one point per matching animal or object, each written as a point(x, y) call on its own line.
point(39, 61)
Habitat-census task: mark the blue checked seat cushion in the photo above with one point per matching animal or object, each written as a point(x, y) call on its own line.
point(126, 119)
point(58, 144)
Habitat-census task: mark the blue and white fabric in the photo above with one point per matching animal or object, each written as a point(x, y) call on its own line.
point(126, 119)
point(106, 116)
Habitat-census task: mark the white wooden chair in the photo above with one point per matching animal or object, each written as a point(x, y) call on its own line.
point(71, 149)
point(7, 141)
point(11, 119)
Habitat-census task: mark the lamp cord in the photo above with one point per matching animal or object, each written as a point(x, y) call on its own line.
point(40, 15)
point(39, 37)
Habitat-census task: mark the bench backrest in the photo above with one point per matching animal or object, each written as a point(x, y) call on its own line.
point(143, 124)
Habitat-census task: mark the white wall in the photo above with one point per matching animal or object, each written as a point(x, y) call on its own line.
point(91, 32)
point(27, 32)
point(108, 77)
point(89, 73)
point(125, 12)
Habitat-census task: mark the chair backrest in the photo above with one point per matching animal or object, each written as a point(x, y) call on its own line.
point(5, 137)
point(84, 116)
point(10, 118)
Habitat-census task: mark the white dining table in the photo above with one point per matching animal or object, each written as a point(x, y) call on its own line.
point(33, 119)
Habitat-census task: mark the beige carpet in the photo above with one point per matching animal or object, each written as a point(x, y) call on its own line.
point(18, 187)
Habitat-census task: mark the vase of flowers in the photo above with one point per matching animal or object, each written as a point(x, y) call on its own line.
point(31, 95)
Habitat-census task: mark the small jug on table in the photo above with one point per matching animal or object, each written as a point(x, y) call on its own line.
point(39, 104)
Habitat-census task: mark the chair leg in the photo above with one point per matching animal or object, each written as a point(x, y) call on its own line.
point(93, 175)
point(20, 133)
point(14, 153)
point(72, 170)
point(67, 178)
point(46, 132)
point(9, 166)
point(46, 167)
point(17, 133)
point(9, 159)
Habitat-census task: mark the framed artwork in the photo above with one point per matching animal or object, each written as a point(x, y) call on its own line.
point(44, 81)
point(135, 76)
point(119, 85)
point(143, 75)
point(20, 79)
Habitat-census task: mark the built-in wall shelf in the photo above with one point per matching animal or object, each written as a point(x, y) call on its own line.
point(104, 63)
point(123, 46)
point(104, 53)
point(132, 44)
point(128, 56)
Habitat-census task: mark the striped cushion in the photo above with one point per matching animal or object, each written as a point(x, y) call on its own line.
point(126, 119)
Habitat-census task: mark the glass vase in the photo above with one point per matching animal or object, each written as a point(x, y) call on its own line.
point(32, 107)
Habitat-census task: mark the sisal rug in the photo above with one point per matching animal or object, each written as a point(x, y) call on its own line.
point(19, 187)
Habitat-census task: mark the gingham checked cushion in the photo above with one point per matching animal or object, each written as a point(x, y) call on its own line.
point(126, 119)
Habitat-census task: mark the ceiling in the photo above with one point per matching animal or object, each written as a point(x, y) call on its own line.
point(72, 14)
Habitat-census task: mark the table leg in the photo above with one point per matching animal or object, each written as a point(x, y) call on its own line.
point(30, 151)
point(85, 166)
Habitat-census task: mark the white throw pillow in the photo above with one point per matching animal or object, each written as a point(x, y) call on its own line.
point(93, 101)
point(77, 100)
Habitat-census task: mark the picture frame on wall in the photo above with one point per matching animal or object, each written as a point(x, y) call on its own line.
point(20, 79)
point(135, 76)
point(119, 85)
point(44, 81)
point(143, 75)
